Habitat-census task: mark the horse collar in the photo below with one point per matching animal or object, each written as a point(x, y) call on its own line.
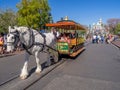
point(31, 42)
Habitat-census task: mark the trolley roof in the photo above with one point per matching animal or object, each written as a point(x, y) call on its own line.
point(67, 25)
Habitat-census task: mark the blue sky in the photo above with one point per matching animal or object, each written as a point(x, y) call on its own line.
point(82, 11)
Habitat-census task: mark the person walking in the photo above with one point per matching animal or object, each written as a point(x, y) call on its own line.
point(97, 39)
point(94, 39)
point(102, 39)
point(5, 42)
point(1, 44)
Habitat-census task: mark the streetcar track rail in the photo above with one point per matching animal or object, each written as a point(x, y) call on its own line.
point(43, 75)
point(5, 82)
point(15, 83)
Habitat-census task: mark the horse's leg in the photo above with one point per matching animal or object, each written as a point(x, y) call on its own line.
point(24, 72)
point(48, 58)
point(39, 68)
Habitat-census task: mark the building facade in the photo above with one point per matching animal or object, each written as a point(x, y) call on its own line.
point(98, 28)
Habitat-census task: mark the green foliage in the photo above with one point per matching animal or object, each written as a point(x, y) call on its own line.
point(7, 18)
point(117, 29)
point(33, 13)
point(112, 23)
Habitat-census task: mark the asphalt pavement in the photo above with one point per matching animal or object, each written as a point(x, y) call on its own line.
point(97, 68)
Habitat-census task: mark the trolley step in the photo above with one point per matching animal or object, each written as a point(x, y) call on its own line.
point(77, 52)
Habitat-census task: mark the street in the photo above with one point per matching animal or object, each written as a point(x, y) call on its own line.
point(97, 68)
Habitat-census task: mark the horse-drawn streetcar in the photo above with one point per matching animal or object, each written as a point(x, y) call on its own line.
point(70, 42)
point(71, 39)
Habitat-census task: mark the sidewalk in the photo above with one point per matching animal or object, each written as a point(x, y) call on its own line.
point(10, 54)
point(116, 43)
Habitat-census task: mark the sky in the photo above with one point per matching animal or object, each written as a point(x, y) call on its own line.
point(85, 12)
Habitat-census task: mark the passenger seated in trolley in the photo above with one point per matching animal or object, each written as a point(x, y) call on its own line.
point(64, 38)
point(73, 34)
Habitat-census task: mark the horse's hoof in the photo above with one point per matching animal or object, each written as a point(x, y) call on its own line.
point(23, 77)
point(38, 71)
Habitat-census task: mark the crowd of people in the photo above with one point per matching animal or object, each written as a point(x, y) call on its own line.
point(101, 39)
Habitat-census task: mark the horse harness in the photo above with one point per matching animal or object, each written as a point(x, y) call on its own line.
point(32, 39)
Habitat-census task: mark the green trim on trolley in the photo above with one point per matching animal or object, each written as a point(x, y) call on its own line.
point(63, 47)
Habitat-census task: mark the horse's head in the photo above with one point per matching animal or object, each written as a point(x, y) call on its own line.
point(22, 34)
point(12, 39)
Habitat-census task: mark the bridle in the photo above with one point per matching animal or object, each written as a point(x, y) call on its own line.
point(16, 39)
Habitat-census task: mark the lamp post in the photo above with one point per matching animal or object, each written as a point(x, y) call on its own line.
point(40, 12)
point(50, 18)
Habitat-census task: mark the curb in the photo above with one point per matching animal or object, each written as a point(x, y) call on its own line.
point(116, 45)
point(6, 55)
point(9, 54)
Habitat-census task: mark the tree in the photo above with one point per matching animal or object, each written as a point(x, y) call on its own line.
point(112, 24)
point(7, 18)
point(33, 13)
point(117, 29)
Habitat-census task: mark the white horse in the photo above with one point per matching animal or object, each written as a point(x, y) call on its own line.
point(33, 42)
